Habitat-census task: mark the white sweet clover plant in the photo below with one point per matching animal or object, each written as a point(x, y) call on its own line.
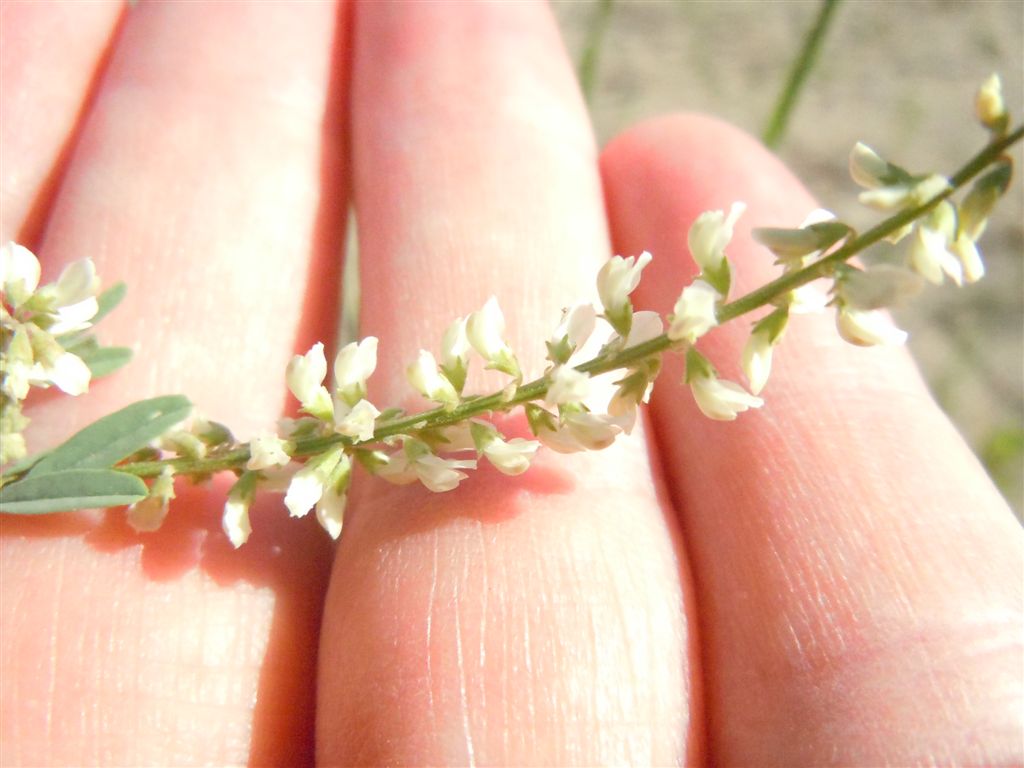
point(132, 457)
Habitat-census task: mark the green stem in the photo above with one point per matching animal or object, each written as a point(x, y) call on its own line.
point(797, 75)
point(609, 361)
point(787, 282)
point(592, 47)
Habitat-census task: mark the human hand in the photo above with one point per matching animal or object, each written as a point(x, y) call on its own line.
point(830, 579)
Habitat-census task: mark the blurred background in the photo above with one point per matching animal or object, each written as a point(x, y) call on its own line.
point(899, 76)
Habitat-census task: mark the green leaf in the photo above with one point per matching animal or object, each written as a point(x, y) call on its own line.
point(116, 436)
point(22, 465)
point(103, 361)
point(79, 343)
point(71, 489)
point(109, 299)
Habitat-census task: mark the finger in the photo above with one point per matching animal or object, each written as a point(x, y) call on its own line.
point(209, 178)
point(537, 620)
point(858, 577)
point(51, 55)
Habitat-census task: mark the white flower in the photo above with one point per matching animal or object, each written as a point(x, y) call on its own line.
point(485, 330)
point(330, 511)
point(572, 332)
point(148, 514)
point(645, 326)
point(584, 431)
point(455, 344)
point(634, 388)
point(966, 250)
point(305, 377)
point(54, 365)
point(415, 462)
point(694, 312)
point(721, 400)
point(757, 360)
point(429, 382)
point(19, 272)
point(307, 485)
point(509, 458)
point(235, 520)
point(866, 168)
point(866, 328)
point(73, 297)
point(931, 258)
point(67, 372)
point(807, 300)
point(357, 422)
point(710, 234)
point(353, 365)
point(439, 474)
point(617, 279)
point(567, 386)
point(906, 195)
point(265, 451)
point(455, 353)
point(988, 104)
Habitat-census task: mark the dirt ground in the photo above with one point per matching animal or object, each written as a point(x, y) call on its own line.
point(899, 76)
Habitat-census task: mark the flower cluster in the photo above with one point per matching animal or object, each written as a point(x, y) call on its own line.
point(39, 326)
point(575, 405)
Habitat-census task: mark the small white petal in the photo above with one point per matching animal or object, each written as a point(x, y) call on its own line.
point(429, 382)
point(567, 386)
point(866, 168)
point(267, 451)
point(512, 457)
point(358, 423)
point(967, 252)
point(485, 329)
point(235, 521)
point(330, 512)
point(645, 326)
point(807, 300)
point(77, 283)
point(440, 475)
point(988, 104)
point(694, 312)
point(399, 470)
point(578, 324)
point(19, 272)
point(710, 234)
point(618, 278)
point(305, 490)
point(75, 317)
point(757, 361)
point(722, 400)
point(930, 257)
point(70, 374)
point(455, 345)
point(306, 374)
point(147, 515)
point(585, 432)
point(885, 198)
point(353, 365)
point(867, 328)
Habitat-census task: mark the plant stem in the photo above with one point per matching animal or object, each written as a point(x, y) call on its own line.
point(599, 19)
point(798, 74)
point(235, 458)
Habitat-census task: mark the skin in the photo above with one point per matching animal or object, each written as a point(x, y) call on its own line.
point(828, 580)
